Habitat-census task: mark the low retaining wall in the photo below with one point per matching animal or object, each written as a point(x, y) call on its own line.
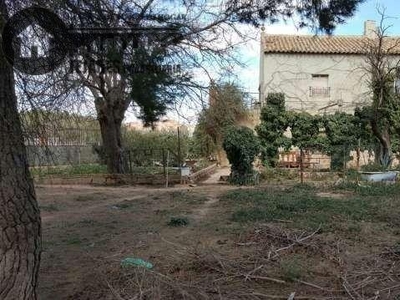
point(195, 177)
point(158, 179)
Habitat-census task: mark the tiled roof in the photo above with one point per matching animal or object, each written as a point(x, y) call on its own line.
point(324, 44)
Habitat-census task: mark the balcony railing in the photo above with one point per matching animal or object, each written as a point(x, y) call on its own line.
point(320, 91)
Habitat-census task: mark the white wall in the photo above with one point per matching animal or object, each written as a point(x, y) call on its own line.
point(292, 75)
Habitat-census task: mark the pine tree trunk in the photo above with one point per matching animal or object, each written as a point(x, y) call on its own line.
point(110, 127)
point(20, 226)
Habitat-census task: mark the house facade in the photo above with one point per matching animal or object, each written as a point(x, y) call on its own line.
point(319, 74)
point(322, 74)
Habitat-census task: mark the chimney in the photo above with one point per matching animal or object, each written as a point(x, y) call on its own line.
point(370, 28)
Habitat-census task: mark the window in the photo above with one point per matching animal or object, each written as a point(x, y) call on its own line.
point(319, 86)
point(323, 78)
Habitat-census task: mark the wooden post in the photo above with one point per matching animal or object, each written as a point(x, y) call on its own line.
point(301, 166)
point(130, 162)
point(179, 149)
point(358, 154)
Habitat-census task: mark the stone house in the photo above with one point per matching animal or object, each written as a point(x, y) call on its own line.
point(319, 73)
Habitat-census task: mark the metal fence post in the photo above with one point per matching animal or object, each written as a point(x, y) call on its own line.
point(166, 177)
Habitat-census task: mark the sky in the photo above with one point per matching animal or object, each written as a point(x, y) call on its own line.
point(368, 11)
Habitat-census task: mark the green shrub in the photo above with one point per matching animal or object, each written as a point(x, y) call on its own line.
point(241, 147)
point(351, 174)
point(146, 146)
point(268, 174)
point(373, 167)
point(178, 221)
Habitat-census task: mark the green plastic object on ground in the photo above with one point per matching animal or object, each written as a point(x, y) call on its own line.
point(130, 261)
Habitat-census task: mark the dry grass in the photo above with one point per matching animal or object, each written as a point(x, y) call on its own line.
point(218, 256)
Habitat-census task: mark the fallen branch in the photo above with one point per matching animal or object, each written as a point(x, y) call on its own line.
point(253, 271)
point(346, 286)
point(390, 288)
point(284, 297)
point(265, 278)
point(315, 286)
point(297, 241)
point(114, 291)
point(364, 283)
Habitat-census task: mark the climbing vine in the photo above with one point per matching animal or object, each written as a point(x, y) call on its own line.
point(270, 131)
point(335, 135)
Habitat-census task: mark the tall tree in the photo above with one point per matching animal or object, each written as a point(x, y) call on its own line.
point(384, 111)
point(122, 71)
point(226, 109)
point(20, 237)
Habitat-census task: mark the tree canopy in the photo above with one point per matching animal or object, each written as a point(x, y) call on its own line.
point(226, 108)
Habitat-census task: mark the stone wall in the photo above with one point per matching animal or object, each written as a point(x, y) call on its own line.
point(366, 158)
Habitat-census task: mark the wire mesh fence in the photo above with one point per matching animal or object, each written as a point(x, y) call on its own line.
point(151, 161)
point(141, 166)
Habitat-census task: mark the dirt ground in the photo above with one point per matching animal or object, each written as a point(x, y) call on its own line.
point(86, 228)
point(88, 231)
